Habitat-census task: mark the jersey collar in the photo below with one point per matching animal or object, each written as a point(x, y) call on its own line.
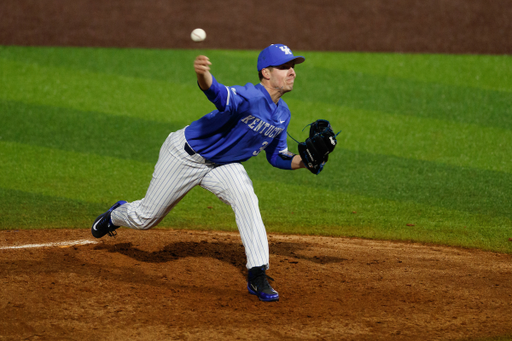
point(267, 95)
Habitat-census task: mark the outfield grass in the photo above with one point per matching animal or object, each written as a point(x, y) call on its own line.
point(425, 151)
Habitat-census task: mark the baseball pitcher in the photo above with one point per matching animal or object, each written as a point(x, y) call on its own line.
point(209, 153)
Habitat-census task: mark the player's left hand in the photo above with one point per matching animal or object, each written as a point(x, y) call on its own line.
point(315, 151)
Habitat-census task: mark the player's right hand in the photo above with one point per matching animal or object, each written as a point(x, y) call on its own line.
point(202, 65)
point(202, 68)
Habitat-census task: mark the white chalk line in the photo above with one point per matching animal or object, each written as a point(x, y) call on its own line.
point(61, 244)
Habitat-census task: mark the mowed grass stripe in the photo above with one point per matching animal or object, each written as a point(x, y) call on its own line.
point(45, 211)
point(406, 97)
point(350, 214)
point(235, 67)
point(477, 71)
point(84, 132)
point(76, 176)
point(105, 93)
point(403, 180)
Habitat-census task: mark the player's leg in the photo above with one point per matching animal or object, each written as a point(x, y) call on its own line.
point(175, 174)
point(232, 184)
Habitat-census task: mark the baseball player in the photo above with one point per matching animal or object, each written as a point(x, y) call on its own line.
point(209, 153)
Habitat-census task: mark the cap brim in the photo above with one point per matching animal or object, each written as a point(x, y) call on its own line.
point(297, 59)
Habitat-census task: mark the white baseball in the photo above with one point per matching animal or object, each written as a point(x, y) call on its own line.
point(198, 35)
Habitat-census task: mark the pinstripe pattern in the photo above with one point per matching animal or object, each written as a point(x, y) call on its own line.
point(232, 184)
point(176, 173)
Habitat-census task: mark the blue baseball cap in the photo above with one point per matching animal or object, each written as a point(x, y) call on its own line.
point(275, 55)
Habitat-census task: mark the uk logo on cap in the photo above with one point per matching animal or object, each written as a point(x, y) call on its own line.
point(275, 55)
point(286, 49)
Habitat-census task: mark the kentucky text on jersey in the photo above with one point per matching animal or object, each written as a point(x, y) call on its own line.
point(262, 127)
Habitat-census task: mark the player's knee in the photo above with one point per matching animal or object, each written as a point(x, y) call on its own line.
point(246, 193)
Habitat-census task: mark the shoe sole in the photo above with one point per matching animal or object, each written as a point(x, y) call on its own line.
point(252, 292)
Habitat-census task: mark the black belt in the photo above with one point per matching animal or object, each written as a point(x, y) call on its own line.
point(189, 150)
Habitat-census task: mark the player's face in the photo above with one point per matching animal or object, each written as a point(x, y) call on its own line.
point(283, 76)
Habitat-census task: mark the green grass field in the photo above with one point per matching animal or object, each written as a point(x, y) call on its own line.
point(425, 152)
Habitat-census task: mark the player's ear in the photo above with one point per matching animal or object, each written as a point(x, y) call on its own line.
point(266, 73)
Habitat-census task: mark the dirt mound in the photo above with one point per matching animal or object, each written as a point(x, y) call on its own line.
point(180, 285)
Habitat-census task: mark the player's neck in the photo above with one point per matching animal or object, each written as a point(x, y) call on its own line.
point(275, 93)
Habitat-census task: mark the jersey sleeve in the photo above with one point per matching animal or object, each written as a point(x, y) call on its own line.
point(218, 94)
point(278, 154)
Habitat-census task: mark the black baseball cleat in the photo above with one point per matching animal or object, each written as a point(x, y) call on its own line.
point(103, 225)
point(257, 284)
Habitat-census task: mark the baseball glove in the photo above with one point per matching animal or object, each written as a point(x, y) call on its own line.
point(315, 151)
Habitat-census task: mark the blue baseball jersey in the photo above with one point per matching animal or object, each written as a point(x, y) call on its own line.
point(245, 123)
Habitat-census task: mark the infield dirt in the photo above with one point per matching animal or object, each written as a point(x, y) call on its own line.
point(190, 285)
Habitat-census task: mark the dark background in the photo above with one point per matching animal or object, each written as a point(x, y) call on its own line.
point(430, 26)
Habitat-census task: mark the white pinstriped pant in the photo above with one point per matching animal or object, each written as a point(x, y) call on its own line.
point(176, 173)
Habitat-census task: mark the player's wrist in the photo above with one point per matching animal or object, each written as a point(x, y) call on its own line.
point(297, 162)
